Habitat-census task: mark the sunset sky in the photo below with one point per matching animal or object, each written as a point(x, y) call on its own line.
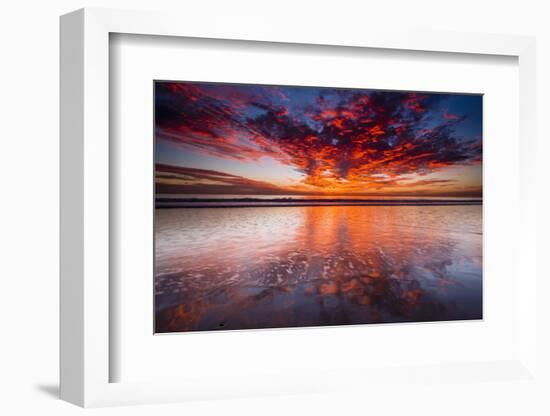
point(240, 139)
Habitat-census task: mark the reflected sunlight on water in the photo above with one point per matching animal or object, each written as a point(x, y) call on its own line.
point(236, 268)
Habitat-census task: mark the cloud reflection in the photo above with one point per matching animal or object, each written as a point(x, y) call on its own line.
point(332, 266)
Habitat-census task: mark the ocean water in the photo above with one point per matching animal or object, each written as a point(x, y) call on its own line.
point(306, 197)
point(266, 267)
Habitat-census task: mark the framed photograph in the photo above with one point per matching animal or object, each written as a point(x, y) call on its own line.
point(289, 220)
point(358, 206)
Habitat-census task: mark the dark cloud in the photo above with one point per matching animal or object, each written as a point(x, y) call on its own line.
point(174, 179)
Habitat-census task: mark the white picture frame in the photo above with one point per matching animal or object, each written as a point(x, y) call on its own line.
point(85, 210)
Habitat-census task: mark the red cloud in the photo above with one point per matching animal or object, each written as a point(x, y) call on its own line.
point(414, 102)
point(448, 116)
point(342, 144)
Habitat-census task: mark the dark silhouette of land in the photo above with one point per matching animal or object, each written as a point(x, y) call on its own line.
point(292, 202)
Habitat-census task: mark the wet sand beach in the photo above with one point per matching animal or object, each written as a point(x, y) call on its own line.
point(295, 266)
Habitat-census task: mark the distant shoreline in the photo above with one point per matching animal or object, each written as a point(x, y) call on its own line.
point(287, 202)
